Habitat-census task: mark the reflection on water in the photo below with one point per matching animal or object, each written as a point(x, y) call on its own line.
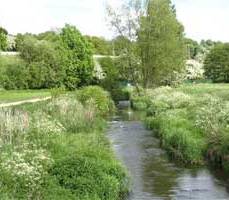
point(153, 176)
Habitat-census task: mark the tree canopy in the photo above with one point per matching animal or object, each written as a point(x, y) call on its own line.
point(216, 64)
point(52, 59)
point(161, 43)
point(150, 40)
point(101, 46)
point(3, 39)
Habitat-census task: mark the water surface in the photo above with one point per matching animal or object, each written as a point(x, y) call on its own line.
point(153, 175)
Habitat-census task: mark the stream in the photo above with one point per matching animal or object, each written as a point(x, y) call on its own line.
point(153, 175)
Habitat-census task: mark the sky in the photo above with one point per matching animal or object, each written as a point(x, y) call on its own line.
point(202, 19)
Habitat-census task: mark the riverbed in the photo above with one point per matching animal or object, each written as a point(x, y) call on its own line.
point(153, 175)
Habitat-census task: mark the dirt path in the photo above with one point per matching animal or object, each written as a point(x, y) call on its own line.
point(23, 102)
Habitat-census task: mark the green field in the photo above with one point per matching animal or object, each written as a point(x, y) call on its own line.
point(217, 90)
point(19, 95)
point(192, 121)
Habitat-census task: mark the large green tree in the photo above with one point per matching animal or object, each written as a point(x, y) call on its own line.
point(56, 59)
point(3, 39)
point(77, 57)
point(216, 64)
point(43, 61)
point(161, 43)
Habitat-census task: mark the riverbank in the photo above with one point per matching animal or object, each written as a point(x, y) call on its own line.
point(58, 150)
point(191, 121)
point(152, 174)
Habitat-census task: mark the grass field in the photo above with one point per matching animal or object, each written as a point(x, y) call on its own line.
point(192, 121)
point(217, 90)
point(19, 95)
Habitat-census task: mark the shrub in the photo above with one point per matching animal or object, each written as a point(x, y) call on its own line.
point(89, 170)
point(157, 107)
point(101, 98)
point(140, 102)
point(120, 94)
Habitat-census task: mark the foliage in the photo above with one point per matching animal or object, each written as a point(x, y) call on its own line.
point(3, 39)
point(100, 98)
point(161, 43)
point(101, 175)
point(217, 64)
point(58, 152)
point(51, 60)
point(78, 61)
point(191, 121)
point(111, 73)
point(125, 23)
point(140, 102)
point(193, 48)
point(23, 173)
point(14, 74)
point(113, 76)
point(179, 136)
point(100, 45)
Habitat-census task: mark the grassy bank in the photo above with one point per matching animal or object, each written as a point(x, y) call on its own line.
point(20, 95)
point(192, 121)
point(58, 150)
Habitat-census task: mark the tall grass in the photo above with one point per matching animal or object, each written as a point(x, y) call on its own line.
point(58, 150)
point(192, 121)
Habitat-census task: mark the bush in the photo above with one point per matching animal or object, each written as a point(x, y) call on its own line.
point(140, 102)
point(120, 94)
point(157, 107)
point(102, 100)
point(88, 176)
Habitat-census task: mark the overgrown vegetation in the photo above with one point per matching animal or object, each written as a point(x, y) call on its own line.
point(58, 150)
point(49, 60)
point(191, 121)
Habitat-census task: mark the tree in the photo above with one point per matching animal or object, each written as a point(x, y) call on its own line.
point(100, 45)
point(111, 73)
point(161, 43)
point(125, 23)
point(78, 61)
point(54, 59)
point(216, 64)
point(51, 36)
point(193, 48)
point(3, 39)
point(44, 62)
